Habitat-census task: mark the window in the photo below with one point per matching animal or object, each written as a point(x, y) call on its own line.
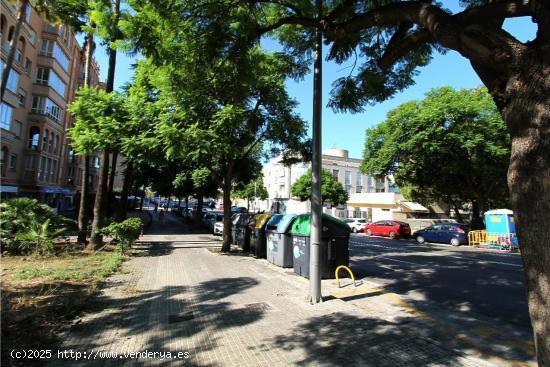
point(28, 65)
point(22, 97)
point(50, 48)
point(50, 144)
point(45, 140)
point(56, 145)
point(57, 84)
point(17, 128)
point(3, 157)
point(13, 79)
point(18, 55)
point(42, 76)
point(380, 184)
point(34, 138)
point(28, 10)
point(13, 162)
point(44, 106)
point(358, 183)
point(347, 181)
point(6, 113)
point(335, 173)
point(29, 163)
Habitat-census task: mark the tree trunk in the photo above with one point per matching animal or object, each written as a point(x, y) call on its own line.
point(227, 185)
point(476, 222)
point(99, 213)
point(527, 114)
point(112, 176)
point(83, 210)
point(458, 216)
point(123, 205)
point(198, 212)
point(13, 47)
point(142, 199)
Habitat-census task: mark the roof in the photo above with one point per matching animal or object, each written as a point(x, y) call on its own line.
point(500, 212)
point(412, 206)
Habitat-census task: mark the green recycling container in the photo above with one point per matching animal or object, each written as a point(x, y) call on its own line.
point(334, 246)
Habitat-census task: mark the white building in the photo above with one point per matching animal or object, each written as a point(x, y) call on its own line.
point(374, 198)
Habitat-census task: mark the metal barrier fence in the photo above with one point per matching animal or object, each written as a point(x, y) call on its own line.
point(494, 240)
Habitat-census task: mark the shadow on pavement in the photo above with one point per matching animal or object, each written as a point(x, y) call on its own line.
point(155, 319)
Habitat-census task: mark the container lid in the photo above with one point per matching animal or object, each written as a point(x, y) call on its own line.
point(235, 218)
point(273, 222)
point(260, 220)
point(285, 223)
point(244, 219)
point(302, 225)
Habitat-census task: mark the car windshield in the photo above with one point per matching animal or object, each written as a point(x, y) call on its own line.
point(362, 221)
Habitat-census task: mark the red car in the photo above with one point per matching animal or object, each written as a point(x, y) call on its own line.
point(390, 228)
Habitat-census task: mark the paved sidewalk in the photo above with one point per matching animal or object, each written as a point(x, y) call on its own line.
point(234, 310)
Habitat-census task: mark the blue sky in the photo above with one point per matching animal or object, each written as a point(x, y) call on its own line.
point(345, 130)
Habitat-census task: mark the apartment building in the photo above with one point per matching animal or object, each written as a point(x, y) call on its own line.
point(371, 197)
point(36, 160)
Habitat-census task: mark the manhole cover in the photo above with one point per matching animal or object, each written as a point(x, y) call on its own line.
point(180, 317)
point(259, 306)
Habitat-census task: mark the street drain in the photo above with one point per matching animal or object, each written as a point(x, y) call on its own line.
point(259, 306)
point(180, 317)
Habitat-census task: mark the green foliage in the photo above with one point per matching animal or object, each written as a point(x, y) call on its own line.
point(40, 238)
point(26, 226)
point(332, 191)
point(100, 120)
point(253, 190)
point(452, 146)
point(124, 233)
point(97, 266)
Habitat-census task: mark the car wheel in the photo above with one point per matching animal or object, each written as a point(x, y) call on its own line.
point(368, 232)
point(354, 230)
point(420, 239)
point(455, 242)
point(392, 235)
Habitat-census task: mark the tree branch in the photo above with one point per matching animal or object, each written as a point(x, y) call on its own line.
point(288, 5)
point(341, 9)
point(306, 22)
point(397, 48)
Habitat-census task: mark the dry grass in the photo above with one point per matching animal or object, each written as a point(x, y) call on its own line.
point(41, 296)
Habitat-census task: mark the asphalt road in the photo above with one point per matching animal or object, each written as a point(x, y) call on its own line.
point(441, 278)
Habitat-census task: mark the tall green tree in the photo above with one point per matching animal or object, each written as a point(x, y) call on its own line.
point(451, 146)
point(391, 40)
point(332, 190)
point(253, 190)
point(100, 118)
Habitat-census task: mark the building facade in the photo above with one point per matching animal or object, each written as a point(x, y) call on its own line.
point(371, 197)
point(36, 159)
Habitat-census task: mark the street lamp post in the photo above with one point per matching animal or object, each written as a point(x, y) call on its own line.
point(316, 200)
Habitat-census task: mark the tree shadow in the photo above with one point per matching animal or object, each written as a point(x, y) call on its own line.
point(341, 339)
point(463, 294)
point(172, 318)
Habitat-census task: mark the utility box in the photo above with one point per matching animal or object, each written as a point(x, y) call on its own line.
point(279, 240)
point(334, 246)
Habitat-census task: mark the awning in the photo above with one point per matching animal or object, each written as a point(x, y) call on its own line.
point(54, 190)
point(8, 188)
point(414, 207)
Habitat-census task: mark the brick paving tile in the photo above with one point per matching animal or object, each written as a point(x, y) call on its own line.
point(188, 299)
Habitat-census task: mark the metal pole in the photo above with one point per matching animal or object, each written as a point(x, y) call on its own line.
point(316, 200)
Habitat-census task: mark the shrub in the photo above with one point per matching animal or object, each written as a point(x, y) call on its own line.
point(124, 233)
point(27, 226)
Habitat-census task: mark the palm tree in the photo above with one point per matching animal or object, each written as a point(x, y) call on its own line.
point(101, 193)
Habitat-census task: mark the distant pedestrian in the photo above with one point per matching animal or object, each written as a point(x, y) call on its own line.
point(156, 207)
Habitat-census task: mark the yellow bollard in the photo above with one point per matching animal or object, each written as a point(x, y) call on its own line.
point(350, 273)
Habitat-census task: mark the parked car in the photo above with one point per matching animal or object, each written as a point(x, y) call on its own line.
point(356, 224)
point(389, 228)
point(218, 228)
point(206, 218)
point(454, 233)
point(218, 218)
